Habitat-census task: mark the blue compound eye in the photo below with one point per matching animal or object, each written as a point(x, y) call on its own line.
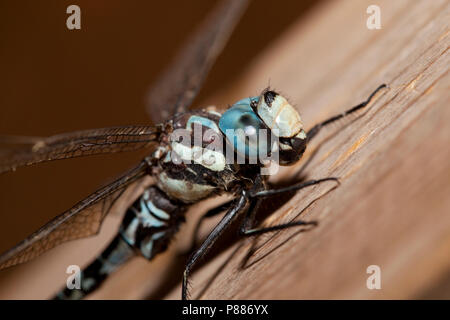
point(241, 127)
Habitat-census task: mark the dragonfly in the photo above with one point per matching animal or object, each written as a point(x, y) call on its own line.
point(150, 223)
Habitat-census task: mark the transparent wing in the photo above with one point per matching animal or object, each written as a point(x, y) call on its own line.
point(83, 220)
point(174, 91)
point(24, 151)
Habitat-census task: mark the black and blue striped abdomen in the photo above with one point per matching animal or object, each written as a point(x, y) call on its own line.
point(151, 221)
point(146, 230)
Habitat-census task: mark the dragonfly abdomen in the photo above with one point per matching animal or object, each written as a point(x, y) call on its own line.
point(151, 222)
point(115, 255)
point(146, 230)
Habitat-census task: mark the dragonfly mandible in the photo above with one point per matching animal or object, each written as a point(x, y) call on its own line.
point(153, 219)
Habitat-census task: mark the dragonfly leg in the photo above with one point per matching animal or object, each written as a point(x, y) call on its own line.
point(315, 130)
point(238, 205)
point(247, 227)
point(210, 213)
point(294, 187)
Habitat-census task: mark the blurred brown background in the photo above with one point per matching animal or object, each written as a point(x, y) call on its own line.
point(55, 80)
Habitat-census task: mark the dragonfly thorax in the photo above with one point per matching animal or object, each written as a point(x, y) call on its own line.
point(191, 162)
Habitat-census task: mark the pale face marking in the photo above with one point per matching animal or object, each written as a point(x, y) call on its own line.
point(280, 115)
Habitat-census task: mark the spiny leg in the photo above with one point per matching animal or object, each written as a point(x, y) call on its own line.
point(249, 220)
point(228, 218)
point(315, 130)
point(294, 187)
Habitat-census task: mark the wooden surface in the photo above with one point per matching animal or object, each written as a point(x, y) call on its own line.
point(392, 208)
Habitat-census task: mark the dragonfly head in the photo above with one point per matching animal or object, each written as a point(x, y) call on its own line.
point(285, 122)
point(268, 123)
